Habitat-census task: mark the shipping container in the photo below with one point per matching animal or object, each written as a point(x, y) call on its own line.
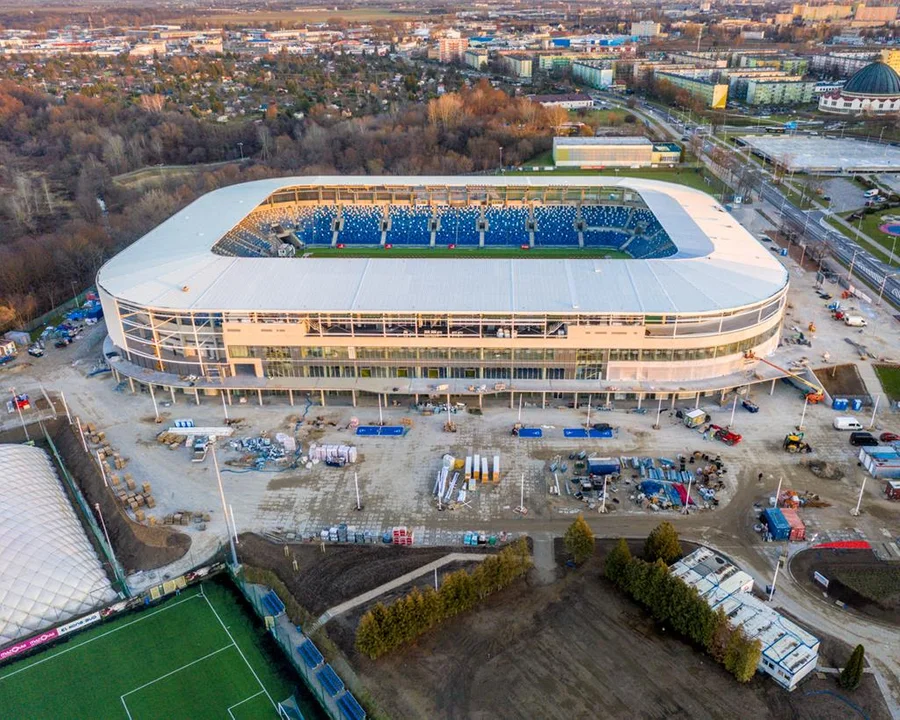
point(495, 478)
point(882, 461)
point(468, 475)
point(476, 468)
point(798, 529)
point(779, 528)
point(694, 418)
point(603, 466)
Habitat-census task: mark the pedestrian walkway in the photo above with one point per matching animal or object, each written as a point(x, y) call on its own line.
point(395, 583)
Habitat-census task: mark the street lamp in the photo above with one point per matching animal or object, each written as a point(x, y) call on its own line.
point(501, 158)
point(893, 245)
point(883, 283)
point(241, 148)
point(852, 262)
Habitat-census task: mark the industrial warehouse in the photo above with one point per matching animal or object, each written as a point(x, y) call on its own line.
point(407, 286)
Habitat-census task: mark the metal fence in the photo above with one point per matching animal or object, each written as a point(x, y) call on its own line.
point(290, 637)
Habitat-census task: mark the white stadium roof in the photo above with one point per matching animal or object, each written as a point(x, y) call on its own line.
point(718, 265)
point(49, 571)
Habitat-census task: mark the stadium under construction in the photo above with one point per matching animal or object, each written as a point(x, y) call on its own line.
point(549, 287)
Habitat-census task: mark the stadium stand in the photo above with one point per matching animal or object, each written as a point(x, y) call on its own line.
point(310, 654)
point(362, 225)
point(605, 216)
point(597, 237)
point(555, 225)
point(350, 708)
point(459, 226)
point(506, 226)
point(410, 226)
point(314, 224)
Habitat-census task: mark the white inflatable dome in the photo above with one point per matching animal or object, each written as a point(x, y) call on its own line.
point(49, 571)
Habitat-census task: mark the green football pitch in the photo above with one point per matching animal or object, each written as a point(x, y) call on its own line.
point(198, 655)
point(464, 253)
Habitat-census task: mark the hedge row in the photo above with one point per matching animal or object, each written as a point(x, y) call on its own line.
point(672, 601)
point(385, 628)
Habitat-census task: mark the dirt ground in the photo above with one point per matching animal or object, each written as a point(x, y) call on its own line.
point(842, 381)
point(578, 649)
point(832, 563)
point(342, 572)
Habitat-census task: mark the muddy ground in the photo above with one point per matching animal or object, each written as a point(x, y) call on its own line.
point(340, 573)
point(842, 381)
point(832, 563)
point(579, 649)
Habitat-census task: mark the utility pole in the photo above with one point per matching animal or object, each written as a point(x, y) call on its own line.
point(778, 491)
point(224, 406)
point(153, 398)
point(874, 410)
point(106, 533)
point(733, 408)
point(803, 414)
point(658, 413)
point(356, 485)
point(859, 500)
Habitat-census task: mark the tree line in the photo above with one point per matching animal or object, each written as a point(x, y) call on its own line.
point(387, 627)
point(677, 605)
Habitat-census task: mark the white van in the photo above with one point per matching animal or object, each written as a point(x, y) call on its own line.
point(845, 422)
point(871, 193)
point(855, 321)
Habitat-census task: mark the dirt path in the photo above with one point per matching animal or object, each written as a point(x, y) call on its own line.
point(367, 597)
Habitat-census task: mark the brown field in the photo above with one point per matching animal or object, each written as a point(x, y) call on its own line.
point(842, 380)
point(579, 649)
point(263, 17)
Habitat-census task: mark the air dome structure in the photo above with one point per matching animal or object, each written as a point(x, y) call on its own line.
point(49, 571)
point(872, 90)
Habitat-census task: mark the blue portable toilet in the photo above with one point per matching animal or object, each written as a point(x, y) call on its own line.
point(839, 403)
point(856, 404)
point(784, 252)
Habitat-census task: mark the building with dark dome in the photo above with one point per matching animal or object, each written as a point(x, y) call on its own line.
point(873, 90)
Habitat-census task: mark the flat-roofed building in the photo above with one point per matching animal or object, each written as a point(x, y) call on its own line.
point(594, 73)
point(713, 94)
point(569, 101)
point(780, 91)
point(789, 653)
point(518, 66)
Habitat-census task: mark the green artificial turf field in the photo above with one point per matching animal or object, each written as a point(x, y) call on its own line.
point(198, 655)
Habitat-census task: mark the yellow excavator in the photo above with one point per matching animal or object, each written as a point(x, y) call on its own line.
point(794, 443)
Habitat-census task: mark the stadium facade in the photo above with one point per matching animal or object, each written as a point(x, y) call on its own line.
point(246, 290)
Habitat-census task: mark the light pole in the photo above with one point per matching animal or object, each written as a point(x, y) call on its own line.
point(501, 159)
point(224, 506)
point(105, 532)
point(893, 245)
point(883, 283)
point(241, 148)
point(852, 262)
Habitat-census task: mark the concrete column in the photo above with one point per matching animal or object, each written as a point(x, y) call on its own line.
point(607, 399)
point(228, 395)
point(322, 397)
point(576, 401)
point(480, 399)
point(511, 399)
point(543, 400)
point(673, 401)
point(259, 396)
point(197, 395)
point(131, 385)
point(697, 403)
point(172, 393)
point(772, 389)
point(640, 399)
point(721, 396)
point(353, 395)
point(416, 396)
point(291, 397)
point(116, 373)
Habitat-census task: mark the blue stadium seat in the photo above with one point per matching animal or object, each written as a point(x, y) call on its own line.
point(350, 708)
point(506, 226)
point(555, 225)
point(409, 226)
point(459, 226)
point(362, 225)
point(615, 239)
point(310, 653)
point(330, 681)
point(314, 224)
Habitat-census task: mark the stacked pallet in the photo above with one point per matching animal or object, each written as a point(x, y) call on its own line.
point(170, 440)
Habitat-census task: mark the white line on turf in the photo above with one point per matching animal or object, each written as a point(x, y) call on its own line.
point(242, 702)
point(173, 672)
point(240, 651)
point(145, 616)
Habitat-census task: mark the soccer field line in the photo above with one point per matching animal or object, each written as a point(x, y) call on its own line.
point(242, 702)
point(173, 672)
point(244, 657)
point(146, 616)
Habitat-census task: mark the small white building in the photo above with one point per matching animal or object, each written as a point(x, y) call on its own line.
point(789, 653)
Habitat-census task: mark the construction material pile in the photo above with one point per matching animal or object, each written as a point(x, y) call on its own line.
point(347, 534)
point(186, 517)
point(133, 499)
point(793, 499)
point(333, 455)
point(664, 483)
point(260, 450)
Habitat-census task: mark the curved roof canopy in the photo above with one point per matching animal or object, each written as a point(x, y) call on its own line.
point(718, 264)
point(49, 571)
point(873, 80)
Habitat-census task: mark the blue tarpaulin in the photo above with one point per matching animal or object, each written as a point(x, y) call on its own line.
point(531, 433)
point(582, 433)
point(392, 430)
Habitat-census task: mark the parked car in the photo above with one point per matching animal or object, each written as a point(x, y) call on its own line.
point(862, 439)
point(889, 437)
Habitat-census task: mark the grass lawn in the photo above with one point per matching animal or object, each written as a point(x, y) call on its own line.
point(464, 253)
point(870, 229)
point(198, 655)
point(889, 376)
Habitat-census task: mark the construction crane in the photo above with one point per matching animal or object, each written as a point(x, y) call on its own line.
point(812, 392)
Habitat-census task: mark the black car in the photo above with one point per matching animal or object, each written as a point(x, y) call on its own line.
point(862, 439)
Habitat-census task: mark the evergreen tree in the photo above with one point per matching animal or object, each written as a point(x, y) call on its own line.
point(662, 544)
point(579, 540)
point(851, 675)
point(747, 659)
point(617, 561)
point(719, 637)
